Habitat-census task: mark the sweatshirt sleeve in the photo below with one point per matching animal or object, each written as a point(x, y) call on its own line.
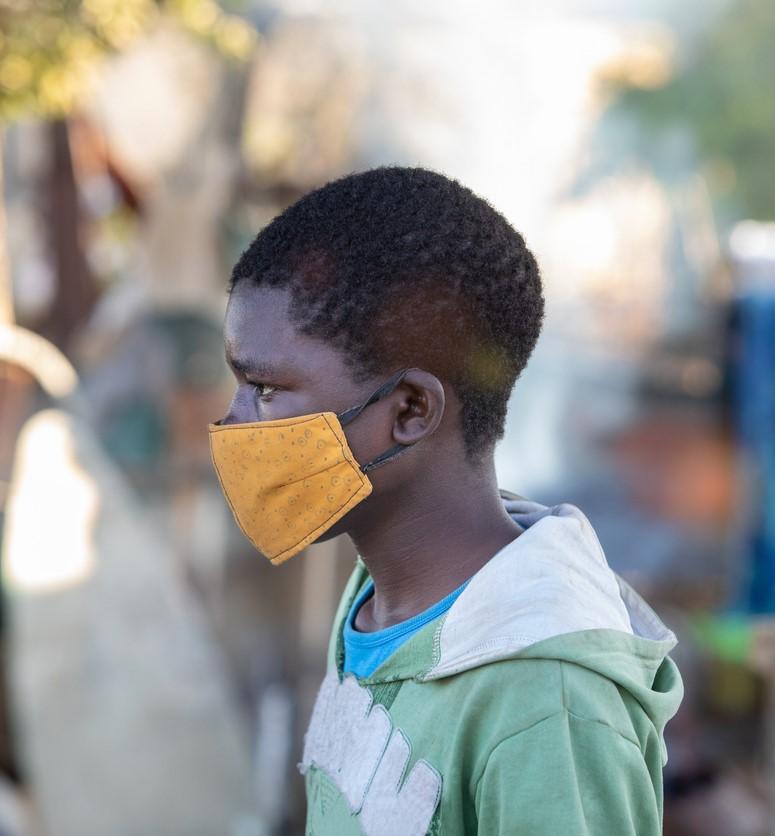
point(571, 776)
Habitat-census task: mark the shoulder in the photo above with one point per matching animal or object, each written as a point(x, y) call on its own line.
point(505, 698)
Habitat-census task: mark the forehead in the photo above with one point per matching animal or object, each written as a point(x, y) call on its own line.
point(258, 332)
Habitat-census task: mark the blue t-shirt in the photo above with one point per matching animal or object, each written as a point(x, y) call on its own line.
point(365, 652)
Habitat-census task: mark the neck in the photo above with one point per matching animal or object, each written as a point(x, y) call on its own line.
point(425, 544)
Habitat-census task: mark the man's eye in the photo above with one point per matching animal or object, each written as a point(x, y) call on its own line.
point(263, 390)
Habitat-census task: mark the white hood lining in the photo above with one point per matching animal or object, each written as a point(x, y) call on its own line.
point(550, 580)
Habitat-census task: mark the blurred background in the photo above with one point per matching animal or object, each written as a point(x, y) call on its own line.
point(156, 675)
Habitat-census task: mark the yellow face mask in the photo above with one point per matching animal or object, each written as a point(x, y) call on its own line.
point(288, 481)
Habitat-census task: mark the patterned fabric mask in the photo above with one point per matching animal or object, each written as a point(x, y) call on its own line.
point(290, 480)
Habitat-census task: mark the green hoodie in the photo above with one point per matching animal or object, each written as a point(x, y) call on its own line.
point(535, 705)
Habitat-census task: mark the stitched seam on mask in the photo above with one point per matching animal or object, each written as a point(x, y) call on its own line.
point(346, 449)
point(231, 506)
point(259, 425)
point(350, 498)
point(309, 476)
point(312, 534)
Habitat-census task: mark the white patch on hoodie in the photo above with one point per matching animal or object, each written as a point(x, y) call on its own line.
point(354, 743)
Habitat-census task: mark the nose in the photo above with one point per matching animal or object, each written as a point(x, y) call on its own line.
point(242, 408)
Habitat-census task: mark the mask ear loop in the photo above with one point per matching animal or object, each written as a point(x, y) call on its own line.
point(387, 387)
point(385, 457)
point(351, 414)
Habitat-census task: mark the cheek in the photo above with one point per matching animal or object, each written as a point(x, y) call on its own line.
point(289, 404)
point(247, 407)
point(365, 439)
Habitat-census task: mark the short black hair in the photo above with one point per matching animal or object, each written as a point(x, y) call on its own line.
point(403, 266)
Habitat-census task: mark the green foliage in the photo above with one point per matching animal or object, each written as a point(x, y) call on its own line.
point(50, 49)
point(725, 96)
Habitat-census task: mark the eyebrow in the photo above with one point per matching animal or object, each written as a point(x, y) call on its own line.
point(253, 369)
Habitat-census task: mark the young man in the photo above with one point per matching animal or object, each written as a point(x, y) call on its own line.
point(487, 671)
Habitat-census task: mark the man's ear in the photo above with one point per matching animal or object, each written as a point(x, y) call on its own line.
point(418, 403)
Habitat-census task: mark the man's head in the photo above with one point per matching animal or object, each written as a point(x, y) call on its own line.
point(390, 268)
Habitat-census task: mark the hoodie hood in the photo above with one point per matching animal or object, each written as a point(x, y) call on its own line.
point(548, 594)
point(552, 580)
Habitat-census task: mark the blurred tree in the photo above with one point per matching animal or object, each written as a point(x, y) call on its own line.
point(50, 54)
point(50, 49)
point(721, 99)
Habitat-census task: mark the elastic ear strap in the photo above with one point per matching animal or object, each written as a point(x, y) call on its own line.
point(385, 457)
point(387, 387)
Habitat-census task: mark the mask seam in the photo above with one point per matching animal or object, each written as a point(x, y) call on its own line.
point(279, 422)
point(228, 500)
point(310, 476)
point(312, 534)
point(345, 446)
